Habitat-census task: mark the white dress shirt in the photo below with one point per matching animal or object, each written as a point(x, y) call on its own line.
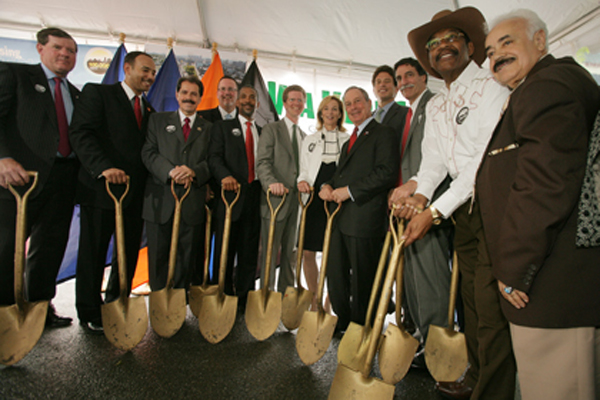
point(460, 122)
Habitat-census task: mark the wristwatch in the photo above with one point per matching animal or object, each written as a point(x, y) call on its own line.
point(437, 216)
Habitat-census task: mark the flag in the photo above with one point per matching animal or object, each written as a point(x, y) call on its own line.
point(115, 72)
point(162, 93)
point(266, 111)
point(210, 81)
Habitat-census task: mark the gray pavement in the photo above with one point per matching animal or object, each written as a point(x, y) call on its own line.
point(68, 363)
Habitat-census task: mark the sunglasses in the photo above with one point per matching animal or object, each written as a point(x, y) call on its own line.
point(449, 38)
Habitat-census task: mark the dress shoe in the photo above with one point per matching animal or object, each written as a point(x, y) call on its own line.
point(56, 321)
point(454, 390)
point(92, 327)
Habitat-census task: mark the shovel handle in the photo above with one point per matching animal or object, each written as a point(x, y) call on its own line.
point(325, 256)
point(300, 249)
point(453, 290)
point(269, 248)
point(226, 234)
point(400, 279)
point(207, 244)
point(378, 277)
point(175, 232)
point(20, 235)
point(120, 237)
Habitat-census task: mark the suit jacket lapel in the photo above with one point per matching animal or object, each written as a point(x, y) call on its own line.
point(363, 137)
point(196, 130)
point(39, 81)
point(286, 140)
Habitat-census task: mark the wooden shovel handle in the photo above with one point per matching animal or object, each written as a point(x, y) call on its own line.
point(120, 237)
point(175, 232)
point(325, 256)
point(226, 234)
point(301, 230)
point(269, 248)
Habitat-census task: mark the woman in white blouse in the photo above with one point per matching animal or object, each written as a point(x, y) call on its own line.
point(319, 156)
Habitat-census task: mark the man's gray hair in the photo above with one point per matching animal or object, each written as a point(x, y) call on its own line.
point(534, 22)
point(363, 91)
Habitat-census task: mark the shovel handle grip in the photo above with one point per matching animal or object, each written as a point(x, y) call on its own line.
point(228, 205)
point(120, 237)
point(118, 201)
point(177, 199)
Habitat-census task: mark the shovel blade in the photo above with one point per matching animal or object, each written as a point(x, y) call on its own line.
point(125, 322)
point(396, 354)
point(445, 354)
point(263, 311)
point(167, 311)
point(352, 351)
point(314, 336)
point(352, 385)
point(217, 316)
point(20, 330)
point(196, 294)
point(294, 304)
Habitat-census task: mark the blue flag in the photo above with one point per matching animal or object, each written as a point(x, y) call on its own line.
point(162, 93)
point(115, 72)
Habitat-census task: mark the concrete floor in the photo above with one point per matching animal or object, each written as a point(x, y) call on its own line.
point(68, 363)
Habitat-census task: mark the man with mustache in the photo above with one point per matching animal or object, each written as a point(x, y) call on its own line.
point(540, 210)
point(107, 133)
point(36, 105)
point(227, 94)
point(176, 149)
point(232, 163)
point(426, 272)
point(460, 121)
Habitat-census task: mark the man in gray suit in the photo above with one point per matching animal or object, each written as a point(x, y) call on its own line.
point(426, 268)
point(277, 167)
point(176, 149)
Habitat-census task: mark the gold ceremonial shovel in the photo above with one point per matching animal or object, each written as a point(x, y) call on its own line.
point(446, 350)
point(196, 293)
point(217, 310)
point(296, 300)
point(125, 319)
point(351, 383)
point(22, 323)
point(263, 309)
point(317, 327)
point(167, 306)
point(398, 347)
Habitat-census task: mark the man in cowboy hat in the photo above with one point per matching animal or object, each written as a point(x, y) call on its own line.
point(460, 121)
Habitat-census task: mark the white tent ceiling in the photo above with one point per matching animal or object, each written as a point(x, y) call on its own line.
point(354, 34)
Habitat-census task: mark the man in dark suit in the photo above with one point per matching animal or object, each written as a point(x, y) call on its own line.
point(388, 112)
point(36, 104)
point(277, 167)
point(232, 163)
point(534, 210)
point(227, 94)
point(367, 170)
point(426, 272)
point(107, 134)
point(176, 149)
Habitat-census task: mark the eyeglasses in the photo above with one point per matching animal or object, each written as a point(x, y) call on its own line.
point(449, 38)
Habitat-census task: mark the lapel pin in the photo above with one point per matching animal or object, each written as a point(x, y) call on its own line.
point(199, 129)
point(236, 132)
point(171, 128)
point(40, 88)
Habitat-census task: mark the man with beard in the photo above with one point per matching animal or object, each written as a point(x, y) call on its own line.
point(232, 163)
point(36, 104)
point(176, 150)
point(540, 210)
point(426, 272)
point(460, 121)
point(367, 170)
point(227, 94)
point(107, 133)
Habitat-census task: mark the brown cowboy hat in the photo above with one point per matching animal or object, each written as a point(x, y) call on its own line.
point(467, 19)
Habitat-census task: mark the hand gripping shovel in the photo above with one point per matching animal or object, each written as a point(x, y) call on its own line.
point(22, 323)
point(167, 306)
point(446, 350)
point(217, 309)
point(398, 348)
point(263, 309)
point(296, 300)
point(196, 293)
point(317, 327)
point(125, 319)
point(352, 349)
point(350, 383)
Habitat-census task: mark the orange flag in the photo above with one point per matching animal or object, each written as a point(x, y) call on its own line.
point(210, 80)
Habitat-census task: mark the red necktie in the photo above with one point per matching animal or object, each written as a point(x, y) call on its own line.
point(250, 151)
point(186, 128)
point(64, 148)
point(138, 111)
point(404, 138)
point(352, 138)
